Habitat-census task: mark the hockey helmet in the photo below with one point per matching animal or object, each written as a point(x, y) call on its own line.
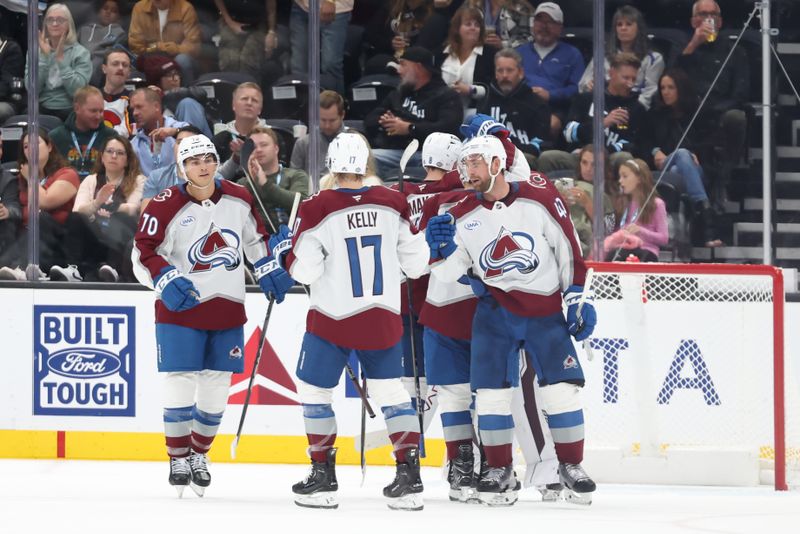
point(196, 145)
point(348, 153)
point(441, 150)
point(486, 146)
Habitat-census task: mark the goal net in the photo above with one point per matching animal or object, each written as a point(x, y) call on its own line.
point(688, 383)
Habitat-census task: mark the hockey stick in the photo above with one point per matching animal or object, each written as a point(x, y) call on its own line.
point(244, 163)
point(363, 430)
point(261, 340)
point(587, 288)
point(410, 150)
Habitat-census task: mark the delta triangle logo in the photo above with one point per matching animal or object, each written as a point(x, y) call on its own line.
point(272, 385)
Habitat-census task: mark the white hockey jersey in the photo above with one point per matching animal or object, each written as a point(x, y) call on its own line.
point(205, 241)
point(524, 247)
point(350, 246)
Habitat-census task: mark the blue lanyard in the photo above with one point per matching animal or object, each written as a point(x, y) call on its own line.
point(89, 145)
point(625, 217)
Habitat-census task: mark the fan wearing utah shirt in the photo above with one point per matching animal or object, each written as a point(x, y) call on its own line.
point(520, 246)
point(190, 248)
point(350, 245)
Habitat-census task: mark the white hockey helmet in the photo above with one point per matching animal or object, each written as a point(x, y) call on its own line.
point(441, 150)
point(196, 145)
point(348, 153)
point(486, 146)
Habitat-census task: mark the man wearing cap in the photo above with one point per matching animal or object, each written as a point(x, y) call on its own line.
point(552, 68)
point(421, 105)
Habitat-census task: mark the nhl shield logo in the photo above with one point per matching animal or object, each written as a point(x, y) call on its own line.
point(570, 362)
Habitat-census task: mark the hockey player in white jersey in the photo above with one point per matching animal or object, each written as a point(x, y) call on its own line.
point(350, 245)
point(517, 239)
point(189, 248)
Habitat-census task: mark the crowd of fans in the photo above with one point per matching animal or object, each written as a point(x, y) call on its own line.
point(442, 62)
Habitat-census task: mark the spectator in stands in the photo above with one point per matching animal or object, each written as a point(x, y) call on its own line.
point(154, 138)
point(116, 113)
point(84, 132)
point(276, 185)
point(167, 26)
point(421, 105)
point(166, 177)
point(512, 103)
point(507, 22)
point(331, 123)
point(467, 63)
point(624, 119)
point(58, 185)
point(667, 122)
point(723, 115)
point(400, 24)
point(64, 65)
point(185, 104)
point(103, 34)
point(10, 218)
point(552, 68)
point(101, 226)
point(12, 68)
point(643, 224)
point(630, 35)
point(248, 102)
point(248, 38)
point(334, 16)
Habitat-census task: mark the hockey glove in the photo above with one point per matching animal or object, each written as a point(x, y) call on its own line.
point(281, 243)
point(476, 284)
point(177, 292)
point(580, 326)
point(440, 235)
point(273, 279)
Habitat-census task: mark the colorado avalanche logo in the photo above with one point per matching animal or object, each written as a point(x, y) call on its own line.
point(218, 248)
point(507, 252)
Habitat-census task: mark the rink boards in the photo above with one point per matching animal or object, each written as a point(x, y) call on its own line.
point(80, 381)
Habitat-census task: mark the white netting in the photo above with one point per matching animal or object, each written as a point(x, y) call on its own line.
point(686, 361)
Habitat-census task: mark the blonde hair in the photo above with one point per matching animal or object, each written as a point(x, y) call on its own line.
point(72, 32)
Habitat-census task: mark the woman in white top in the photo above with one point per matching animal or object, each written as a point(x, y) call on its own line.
point(467, 63)
point(630, 35)
point(103, 221)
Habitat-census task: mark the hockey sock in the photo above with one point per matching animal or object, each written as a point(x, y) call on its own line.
point(177, 429)
point(320, 423)
point(457, 430)
point(562, 405)
point(403, 426)
point(204, 429)
point(497, 433)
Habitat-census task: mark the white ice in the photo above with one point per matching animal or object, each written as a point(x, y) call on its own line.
point(65, 496)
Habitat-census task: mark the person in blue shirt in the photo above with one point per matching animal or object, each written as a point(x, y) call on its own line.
point(552, 68)
point(153, 140)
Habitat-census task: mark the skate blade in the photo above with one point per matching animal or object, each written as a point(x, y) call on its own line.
point(411, 502)
point(465, 495)
point(507, 498)
point(198, 490)
point(322, 499)
point(179, 490)
point(583, 499)
point(550, 494)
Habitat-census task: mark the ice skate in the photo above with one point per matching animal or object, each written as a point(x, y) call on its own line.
point(551, 492)
point(405, 491)
point(179, 474)
point(578, 486)
point(318, 489)
point(201, 478)
point(460, 474)
point(498, 486)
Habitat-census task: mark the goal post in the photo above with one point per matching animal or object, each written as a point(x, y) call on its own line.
point(688, 383)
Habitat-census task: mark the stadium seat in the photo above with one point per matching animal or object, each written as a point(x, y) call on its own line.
point(288, 97)
point(356, 125)
point(286, 139)
point(670, 42)
point(219, 87)
point(368, 92)
point(16, 126)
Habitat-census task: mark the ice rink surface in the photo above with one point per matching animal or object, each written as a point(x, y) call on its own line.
point(64, 496)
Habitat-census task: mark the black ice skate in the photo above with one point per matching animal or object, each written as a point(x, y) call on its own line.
point(498, 486)
point(405, 491)
point(551, 492)
point(179, 474)
point(460, 474)
point(578, 486)
point(201, 478)
point(318, 489)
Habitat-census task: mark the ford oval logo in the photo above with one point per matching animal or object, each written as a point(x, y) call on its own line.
point(472, 224)
point(83, 363)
